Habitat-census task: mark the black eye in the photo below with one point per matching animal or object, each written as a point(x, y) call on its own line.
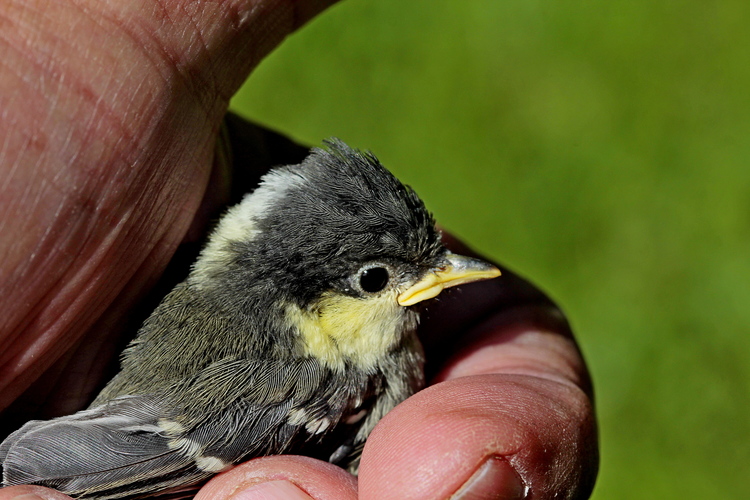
point(373, 279)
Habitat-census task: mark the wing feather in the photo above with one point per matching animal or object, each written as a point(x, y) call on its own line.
point(232, 410)
point(97, 450)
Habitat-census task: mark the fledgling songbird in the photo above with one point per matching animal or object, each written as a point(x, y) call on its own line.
point(295, 332)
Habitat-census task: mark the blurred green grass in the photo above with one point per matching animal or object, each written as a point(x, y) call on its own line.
point(601, 149)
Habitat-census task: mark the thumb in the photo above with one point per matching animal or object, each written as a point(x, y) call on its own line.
point(110, 115)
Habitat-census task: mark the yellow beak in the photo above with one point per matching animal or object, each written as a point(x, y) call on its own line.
point(456, 270)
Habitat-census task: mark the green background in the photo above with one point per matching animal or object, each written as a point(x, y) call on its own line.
point(599, 148)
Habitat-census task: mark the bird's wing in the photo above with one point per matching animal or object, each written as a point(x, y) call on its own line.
point(258, 407)
point(133, 445)
point(102, 452)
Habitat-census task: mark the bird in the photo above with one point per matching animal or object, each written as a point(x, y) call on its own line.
point(294, 332)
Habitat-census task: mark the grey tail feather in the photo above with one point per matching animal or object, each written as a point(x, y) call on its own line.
point(116, 450)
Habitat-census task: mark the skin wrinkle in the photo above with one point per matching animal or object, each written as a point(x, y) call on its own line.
point(91, 352)
point(550, 457)
point(28, 28)
point(45, 63)
point(200, 44)
point(118, 127)
point(14, 69)
point(51, 45)
point(95, 114)
point(12, 125)
point(265, 26)
point(145, 44)
point(64, 215)
point(175, 67)
point(27, 278)
point(50, 230)
point(178, 64)
point(59, 219)
point(86, 280)
point(212, 51)
point(269, 23)
point(83, 279)
point(146, 50)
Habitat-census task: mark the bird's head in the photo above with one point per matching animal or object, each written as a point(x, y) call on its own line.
point(343, 248)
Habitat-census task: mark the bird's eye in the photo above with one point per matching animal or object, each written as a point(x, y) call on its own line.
point(373, 279)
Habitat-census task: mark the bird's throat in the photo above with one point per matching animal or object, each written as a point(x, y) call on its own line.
point(340, 330)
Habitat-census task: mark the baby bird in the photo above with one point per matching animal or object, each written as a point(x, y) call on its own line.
point(295, 332)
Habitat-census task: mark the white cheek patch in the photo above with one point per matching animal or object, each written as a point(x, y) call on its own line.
point(240, 222)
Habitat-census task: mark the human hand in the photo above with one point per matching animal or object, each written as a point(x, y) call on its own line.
point(109, 129)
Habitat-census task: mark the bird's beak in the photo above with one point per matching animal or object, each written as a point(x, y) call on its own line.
point(455, 270)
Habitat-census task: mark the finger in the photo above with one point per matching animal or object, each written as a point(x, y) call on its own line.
point(108, 155)
point(31, 493)
point(490, 436)
point(283, 477)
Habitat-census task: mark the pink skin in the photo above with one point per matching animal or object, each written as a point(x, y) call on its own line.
point(109, 112)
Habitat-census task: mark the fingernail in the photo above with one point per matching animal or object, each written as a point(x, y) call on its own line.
point(494, 479)
point(272, 490)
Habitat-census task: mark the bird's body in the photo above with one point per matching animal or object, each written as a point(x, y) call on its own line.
point(293, 333)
